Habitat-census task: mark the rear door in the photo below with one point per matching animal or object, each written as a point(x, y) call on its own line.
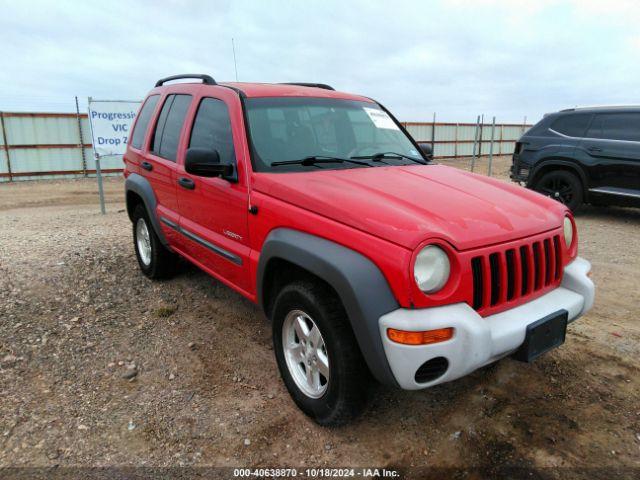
point(161, 162)
point(214, 211)
point(612, 144)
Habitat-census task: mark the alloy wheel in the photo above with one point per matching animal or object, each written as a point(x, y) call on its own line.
point(143, 241)
point(557, 188)
point(305, 353)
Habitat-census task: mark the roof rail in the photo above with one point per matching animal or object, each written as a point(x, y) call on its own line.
point(206, 79)
point(599, 107)
point(305, 84)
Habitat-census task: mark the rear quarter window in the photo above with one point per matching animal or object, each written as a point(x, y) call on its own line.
point(143, 121)
point(573, 125)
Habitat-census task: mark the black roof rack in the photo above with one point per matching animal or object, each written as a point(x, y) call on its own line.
point(305, 84)
point(206, 79)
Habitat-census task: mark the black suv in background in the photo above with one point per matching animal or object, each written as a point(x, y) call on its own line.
point(583, 155)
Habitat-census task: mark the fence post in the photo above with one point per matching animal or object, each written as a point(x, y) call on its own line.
point(6, 145)
point(493, 129)
point(100, 187)
point(433, 134)
point(480, 139)
point(455, 142)
point(81, 143)
point(475, 141)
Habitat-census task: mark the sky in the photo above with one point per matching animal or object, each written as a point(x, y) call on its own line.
point(454, 58)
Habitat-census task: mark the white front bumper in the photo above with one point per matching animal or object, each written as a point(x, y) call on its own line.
point(478, 341)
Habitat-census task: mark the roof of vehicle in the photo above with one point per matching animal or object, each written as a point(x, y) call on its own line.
point(600, 108)
point(253, 90)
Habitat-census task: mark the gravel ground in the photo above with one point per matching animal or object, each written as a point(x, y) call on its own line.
point(99, 366)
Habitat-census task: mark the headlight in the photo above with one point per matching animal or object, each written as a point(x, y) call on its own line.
point(431, 269)
point(568, 231)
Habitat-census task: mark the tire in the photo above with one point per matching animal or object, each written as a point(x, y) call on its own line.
point(154, 259)
point(563, 186)
point(344, 393)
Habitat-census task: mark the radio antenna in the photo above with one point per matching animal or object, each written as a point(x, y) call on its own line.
point(235, 64)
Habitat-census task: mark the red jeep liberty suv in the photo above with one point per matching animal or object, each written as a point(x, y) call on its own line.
point(369, 260)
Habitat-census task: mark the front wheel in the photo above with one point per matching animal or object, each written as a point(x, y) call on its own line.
point(562, 186)
point(317, 354)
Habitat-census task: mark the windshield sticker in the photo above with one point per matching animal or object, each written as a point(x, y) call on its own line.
point(380, 119)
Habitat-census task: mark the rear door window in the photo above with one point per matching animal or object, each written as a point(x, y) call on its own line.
point(169, 126)
point(573, 125)
point(212, 129)
point(616, 126)
point(143, 121)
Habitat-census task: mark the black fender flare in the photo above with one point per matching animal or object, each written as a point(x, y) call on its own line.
point(550, 162)
point(359, 283)
point(138, 184)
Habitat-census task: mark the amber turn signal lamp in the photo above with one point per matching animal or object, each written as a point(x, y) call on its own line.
point(420, 338)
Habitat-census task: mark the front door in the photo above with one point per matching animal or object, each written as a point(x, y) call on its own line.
point(213, 211)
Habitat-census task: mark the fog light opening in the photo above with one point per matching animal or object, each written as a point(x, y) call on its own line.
point(431, 370)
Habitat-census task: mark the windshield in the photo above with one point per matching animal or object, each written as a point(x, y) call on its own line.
point(301, 134)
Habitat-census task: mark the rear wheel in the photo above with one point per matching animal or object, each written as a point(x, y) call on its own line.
point(155, 260)
point(563, 186)
point(317, 353)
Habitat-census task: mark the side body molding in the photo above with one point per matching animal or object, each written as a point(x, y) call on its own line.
point(361, 286)
point(141, 186)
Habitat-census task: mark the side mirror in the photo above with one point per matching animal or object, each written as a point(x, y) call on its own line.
point(205, 162)
point(427, 150)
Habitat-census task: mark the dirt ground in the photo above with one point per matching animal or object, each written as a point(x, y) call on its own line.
point(77, 318)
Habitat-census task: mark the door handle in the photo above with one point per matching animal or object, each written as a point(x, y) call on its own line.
point(146, 166)
point(594, 149)
point(187, 183)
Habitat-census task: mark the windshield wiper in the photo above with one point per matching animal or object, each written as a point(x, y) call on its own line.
point(379, 156)
point(315, 159)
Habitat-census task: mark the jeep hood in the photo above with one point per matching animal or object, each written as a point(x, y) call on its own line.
point(410, 204)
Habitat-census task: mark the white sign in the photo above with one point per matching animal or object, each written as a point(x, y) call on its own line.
point(111, 122)
point(380, 119)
